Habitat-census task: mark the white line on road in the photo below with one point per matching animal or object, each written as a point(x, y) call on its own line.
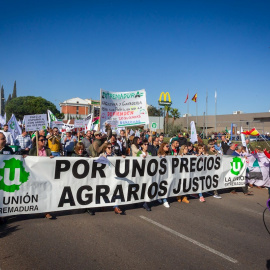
point(252, 211)
point(190, 240)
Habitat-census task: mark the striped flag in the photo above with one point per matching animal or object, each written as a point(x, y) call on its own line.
point(186, 99)
point(194, 98)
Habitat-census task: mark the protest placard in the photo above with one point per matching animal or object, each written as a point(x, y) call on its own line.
point(35, 122)
point(123, 109)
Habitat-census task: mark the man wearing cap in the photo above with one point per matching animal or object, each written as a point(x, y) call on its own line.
point(9, 139)
point(96, 148)
point(181, 139)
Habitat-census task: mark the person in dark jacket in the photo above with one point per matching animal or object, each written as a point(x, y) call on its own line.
point(181, 139)
point(79, 150)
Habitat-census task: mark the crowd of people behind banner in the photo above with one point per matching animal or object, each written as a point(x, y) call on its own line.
point(139, 143)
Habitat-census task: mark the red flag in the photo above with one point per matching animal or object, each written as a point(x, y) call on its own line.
point(186, 99)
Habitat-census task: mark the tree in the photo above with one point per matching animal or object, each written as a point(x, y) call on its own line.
point(9, 99)
point(175, 114)
point(14, 93)
point(2, 112)
point(167, 109)
point(153, 111)
point(21, 106)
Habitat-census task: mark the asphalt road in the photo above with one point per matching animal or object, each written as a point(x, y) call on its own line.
point(225, 233)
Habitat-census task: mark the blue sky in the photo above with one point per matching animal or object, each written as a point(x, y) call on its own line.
point(65, 49)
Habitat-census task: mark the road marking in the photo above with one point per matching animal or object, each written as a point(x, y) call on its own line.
point(190, 240)
point(252, 211)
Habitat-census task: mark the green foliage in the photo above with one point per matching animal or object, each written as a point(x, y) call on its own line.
point(21, 106)
point(173, 130)
point(9, 99)
point(153, 111)
point(175, 113)
point(14, 93)
point(2, 100)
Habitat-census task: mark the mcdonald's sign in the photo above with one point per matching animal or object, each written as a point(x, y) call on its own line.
point(164, 101)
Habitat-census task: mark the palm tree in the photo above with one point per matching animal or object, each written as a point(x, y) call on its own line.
point(175, 114)
point(167, 109)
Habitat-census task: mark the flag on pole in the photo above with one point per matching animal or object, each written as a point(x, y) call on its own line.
point(186, 99)
point(3, 119)
point(252, 132)
point(95, 123)
point(13, 127)
point(194, 98)
point(88, 122)
point(193, 136)
point(51, 117)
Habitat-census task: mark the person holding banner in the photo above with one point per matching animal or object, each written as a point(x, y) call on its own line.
point(108, 152)
point(79, 150)
point(144, 153)
point(42, 152)
point(4, 148)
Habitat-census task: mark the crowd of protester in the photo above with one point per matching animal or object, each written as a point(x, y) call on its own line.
point(126, 143)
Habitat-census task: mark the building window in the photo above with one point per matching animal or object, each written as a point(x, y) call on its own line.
point(77, 109)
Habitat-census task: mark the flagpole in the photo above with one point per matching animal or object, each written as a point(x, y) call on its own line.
point(206, 114)
point(264, 140)
point(197, 108)
point(187, 110)
point(216, 111)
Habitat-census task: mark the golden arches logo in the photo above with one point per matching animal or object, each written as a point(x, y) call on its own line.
point(165, 102)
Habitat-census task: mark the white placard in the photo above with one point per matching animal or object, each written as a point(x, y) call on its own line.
point(35, 122)
point(123, 109)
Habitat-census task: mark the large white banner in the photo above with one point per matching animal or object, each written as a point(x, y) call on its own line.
point(40, 184)
point(123, 109)
point(35, 122)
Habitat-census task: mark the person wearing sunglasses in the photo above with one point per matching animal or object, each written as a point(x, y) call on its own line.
point(42, 152)
point(144, 153)
point(79, 150)
point(108, 152)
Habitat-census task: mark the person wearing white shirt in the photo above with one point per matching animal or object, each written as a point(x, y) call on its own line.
point(9, 139)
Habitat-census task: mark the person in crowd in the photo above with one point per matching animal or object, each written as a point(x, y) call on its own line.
point(161, 138)
point(144, 153)
point(79, 150)
point(9, 138)
point(174, 148)
point(4, 148)
point(211, 151)
point(154, 147)
point(87, 141)
point(116, 149)
point(95, 149)
point(183, 151)
point(24, 141)
point(123, 141)
point(164, 150)
point(190, 149)
point(135, 146)
point(201, 152)
point(41, 152)
point(224, 144)
point(248, 146)
point(144, 150)
point(181, 139)
point(69, 142)
point(231, 150)
point(108, 152)
point(54, 142)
